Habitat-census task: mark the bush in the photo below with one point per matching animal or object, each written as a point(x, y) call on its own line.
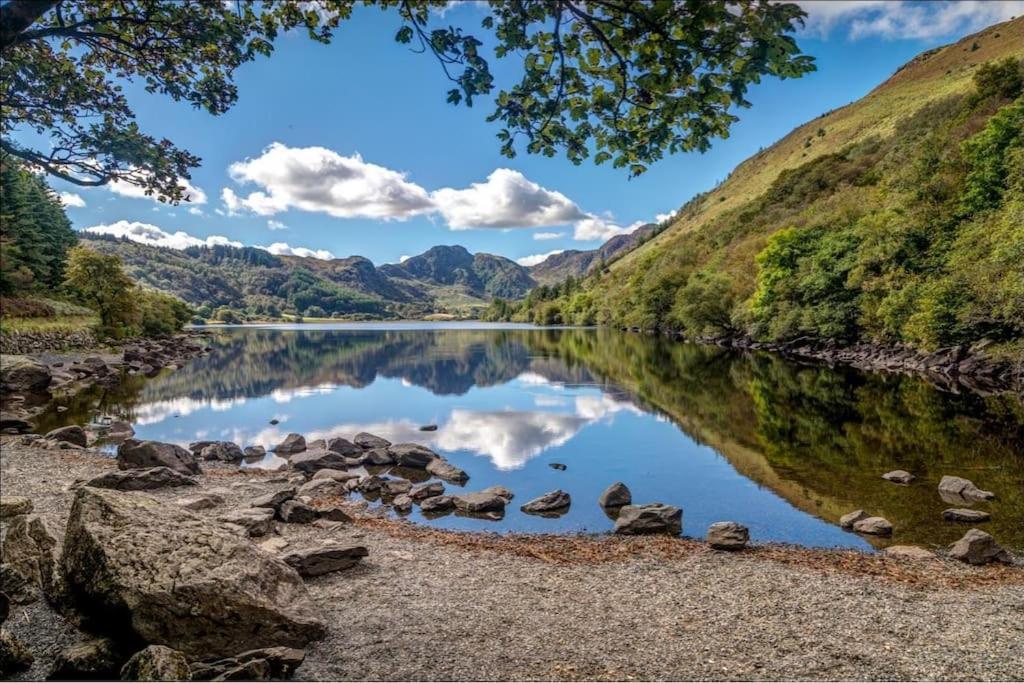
point(160, 314)
point(99, 281)
point(226, 315)
point(549, 314)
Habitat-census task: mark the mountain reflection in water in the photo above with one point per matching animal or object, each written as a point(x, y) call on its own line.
point(782, 447)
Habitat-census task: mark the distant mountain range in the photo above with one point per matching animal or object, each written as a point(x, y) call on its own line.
point(253, 282)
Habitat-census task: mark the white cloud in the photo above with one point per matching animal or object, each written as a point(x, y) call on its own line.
point(508, 437)
point(597, 228)
point(194, 194)
point(320, 180)
point(276, 225)
point(662, 217)
point(71, 199)
point(284, 249)
point(506, 200)
point(403, 258)
point(146, 233)
point(548, 235)
point(904, 20)
point(195, 211)
point(534, 259)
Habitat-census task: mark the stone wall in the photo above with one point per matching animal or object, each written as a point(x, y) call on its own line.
point(54, 340)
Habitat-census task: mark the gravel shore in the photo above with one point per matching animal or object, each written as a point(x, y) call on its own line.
point(430, 604)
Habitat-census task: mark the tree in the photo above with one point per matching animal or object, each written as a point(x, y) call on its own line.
point(99, 281)
point(622, 80)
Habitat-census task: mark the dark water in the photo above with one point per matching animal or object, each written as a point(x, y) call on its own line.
point(783, 448)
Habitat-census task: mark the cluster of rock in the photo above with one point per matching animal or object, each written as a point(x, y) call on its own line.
point(975, 547)
point(16, 342)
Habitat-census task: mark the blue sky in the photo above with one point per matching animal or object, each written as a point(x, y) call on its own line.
point(428, 173)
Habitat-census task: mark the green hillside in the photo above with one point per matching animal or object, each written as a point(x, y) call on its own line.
point(898, 218)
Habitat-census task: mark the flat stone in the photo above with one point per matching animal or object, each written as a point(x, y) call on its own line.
point(142, 479)
point(333, 514)
point(850, 518)
point(899, 477)
point(320, 488)
point(479, 501)
point(311, 461)
point(977, 547)
point(442, 469)
point(654, 518)
point(367, 440)
point(324, 559)
point(273, 500)
point(336, 475)
point(615, 496)
point(965, 515)
point(874, 526)
point(427, 489)
point(551, 503)
point(728, 536)
point(909, 552)
point(255, 521)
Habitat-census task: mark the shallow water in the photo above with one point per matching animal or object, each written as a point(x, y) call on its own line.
point(781, 447)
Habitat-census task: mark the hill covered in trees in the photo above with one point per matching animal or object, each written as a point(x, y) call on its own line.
point(896, 219)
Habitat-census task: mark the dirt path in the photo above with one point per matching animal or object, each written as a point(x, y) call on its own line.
point(440, 605)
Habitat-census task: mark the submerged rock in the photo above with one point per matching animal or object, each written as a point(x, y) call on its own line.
point(480, 501)
point(964, 488)
point(557, 501)
point(874, 526)
point(427, 489)
point(899, 477)
point(324, 559)
point(965, 515)
point(156, 663)
point(654, 518)
point(142, 479)
point(134, 454)
point(978, 547)
point(135, 566)
point(728, 536)
point(615, 496)
point(437, 504)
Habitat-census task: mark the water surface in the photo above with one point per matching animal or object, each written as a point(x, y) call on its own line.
point(780, 447)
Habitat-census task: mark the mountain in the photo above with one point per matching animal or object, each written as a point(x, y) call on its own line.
point(256, 283)
point(577, 263)
point(896, 219)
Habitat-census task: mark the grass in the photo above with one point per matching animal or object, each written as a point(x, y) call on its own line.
point(60, 323)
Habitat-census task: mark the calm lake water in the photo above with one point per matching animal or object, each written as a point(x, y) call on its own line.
point(781, 447)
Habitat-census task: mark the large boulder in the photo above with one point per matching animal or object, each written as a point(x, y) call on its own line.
point(136, 567)
point(442, 469)
point(225, 451)
point(309, 462)
point(325, 558)
point(343, 446)
point(412, 455)
point(134, 454)
point(22, 374)
point(293, 443)
point(141, 479)
point(615, 496)
point(978, 547)
point(72, 434)
point(367, 440)
point(874, 526)
point(653, 518)
point(850, 518)
point(959, 488)
point(728, 536)
point(156, 663)
point(552, 503)
point(379, 457)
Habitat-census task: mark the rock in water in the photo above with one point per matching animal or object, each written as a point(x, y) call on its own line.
point(135, 566)
point(978, 547)
point(849, 519)
point(899, 477)
point(428, 489)
point(875, 526)
point(436, 505)
point(324, 559)
point(965, 515)
point(141, 479)
point(367, 440)
point(379, 457)
point(343, 446)
point(412, 455)
point(293, 443)
point(442, 469)
point(20, 373)
point(72, 434)
point(728, 536)
point(156, 663)
point(615, 496)
point(311, 461)
point(480, 501)
point(134, 454)
point(550, 503)
point(654, 518)
point(501, 491)
point(964, 488)
point(254, 452)
point(224, 451)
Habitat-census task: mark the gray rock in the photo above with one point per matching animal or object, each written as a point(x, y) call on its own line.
point(370, 483)
point(557, 466)
point(14, 424)
point(728, 536)
point(274, 499)
point(319, 444)
point(202, 501)
point(296, 512)
point(437, 504)
point(899, 477)
point(254, 521)
point(479, 501)
point(336, 475)
point(343, 446)
point(14, 656)
point(27, 557)
point(224, 451)
point(133, 564)
point(965, 515)
point(380, 457)
point(274, 663)
point(402, 504)
point(141, 479)
point(978, 547)
point(442, 469)
point(134, 454)
point(333, 514)
point(120, 430)
point(964, 488)
point(72, 434)
point(615, 496)
point(395, 486)
point(95, 659)
point(427, 489)
point(254, 452)
point(312, 461)
point(324, 559)
point(501, 491)
point(653, 518)
point(315, 488)
point(156, 663)
point(12, 506)
point(412, 455)
point(367, 440)
point(850, 518)
point(908, 552)
point(293, 443)
point(552, 502)
point(428, 428)
point(23, 374)
point(874, 526)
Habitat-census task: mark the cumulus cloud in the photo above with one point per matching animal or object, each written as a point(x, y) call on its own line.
point(284, 249)
point(534, 259)
point(403, 258)
point(320, 180)
point(70, 199)
point(548, 235)
point(597, 228)
point(194, 194)
point(902, 19)
point(195, 211)
point(508, 437)
point(507, 199)
point(146, 233)
point(276, 225)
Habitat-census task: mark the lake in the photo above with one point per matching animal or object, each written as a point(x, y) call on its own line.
point(781, 447)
